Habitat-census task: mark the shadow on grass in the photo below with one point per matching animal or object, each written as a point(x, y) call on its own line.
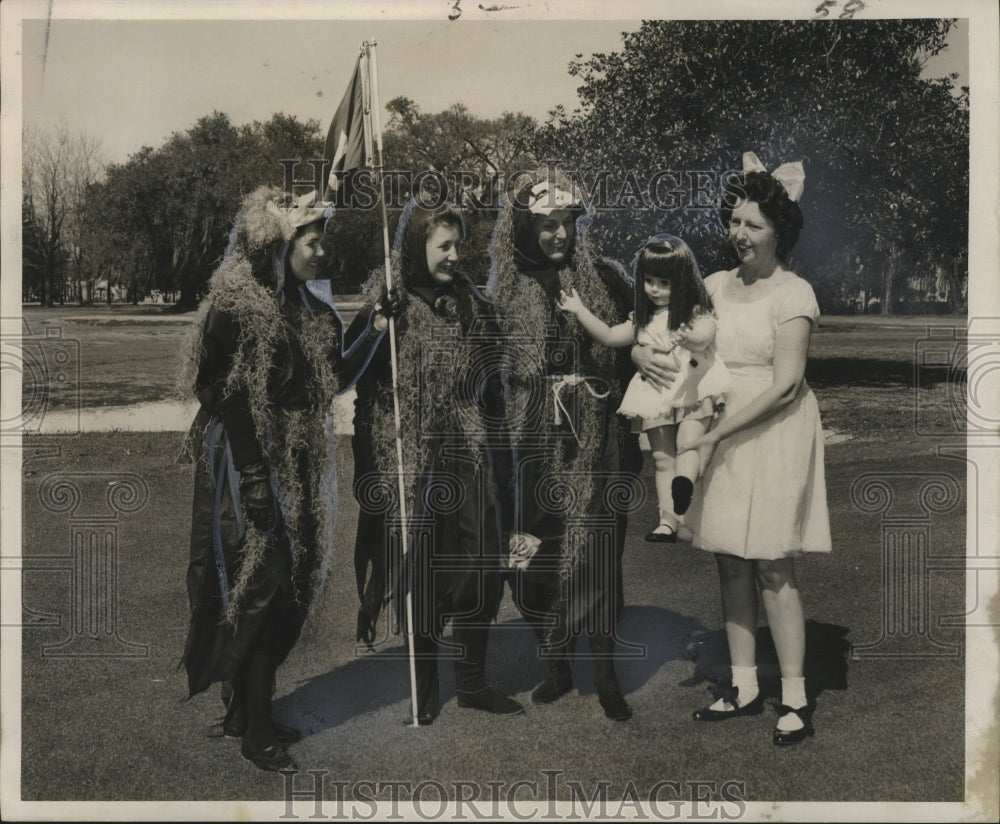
point(827, 653)
point(828, 372)
point(648, 638)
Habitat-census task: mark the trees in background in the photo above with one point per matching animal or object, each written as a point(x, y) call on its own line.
point(659, 123)
point(885, 149)
point(59, 167)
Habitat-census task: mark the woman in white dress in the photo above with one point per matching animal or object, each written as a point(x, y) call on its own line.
point(764, 492)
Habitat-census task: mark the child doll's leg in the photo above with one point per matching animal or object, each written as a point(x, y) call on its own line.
point(689, 464)
point(663, 444)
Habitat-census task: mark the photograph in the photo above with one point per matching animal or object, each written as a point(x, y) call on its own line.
point(519, 411)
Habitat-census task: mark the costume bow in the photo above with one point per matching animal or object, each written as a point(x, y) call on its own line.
point(789, 175)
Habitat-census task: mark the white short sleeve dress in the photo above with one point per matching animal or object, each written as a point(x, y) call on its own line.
point(763, 496)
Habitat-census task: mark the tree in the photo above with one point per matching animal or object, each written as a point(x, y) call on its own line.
point(882, 146)
point(165, 213)
point(57, 168)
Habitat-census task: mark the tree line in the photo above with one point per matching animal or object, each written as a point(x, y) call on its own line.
point(660, 122)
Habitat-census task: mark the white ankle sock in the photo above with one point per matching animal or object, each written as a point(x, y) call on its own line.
point(745, 681)
point(793, 694)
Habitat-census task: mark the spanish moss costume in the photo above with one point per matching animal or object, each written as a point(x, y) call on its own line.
point(265, 362)
point(568, 492)
point(448, 403)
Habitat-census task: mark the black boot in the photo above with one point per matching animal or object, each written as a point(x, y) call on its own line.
point(559, 680)
point(609, 693)
point(260, 744)
point(471, 686)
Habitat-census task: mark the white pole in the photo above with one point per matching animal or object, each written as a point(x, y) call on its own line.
point(377, 129)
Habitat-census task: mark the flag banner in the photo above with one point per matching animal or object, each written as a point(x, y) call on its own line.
point(349, 137)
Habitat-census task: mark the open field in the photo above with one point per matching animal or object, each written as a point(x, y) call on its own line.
point(861, 368)
point(890, 724)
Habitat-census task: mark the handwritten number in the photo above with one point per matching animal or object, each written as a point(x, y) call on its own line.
point(456, 10)
point(823, 9)
point(850, 8)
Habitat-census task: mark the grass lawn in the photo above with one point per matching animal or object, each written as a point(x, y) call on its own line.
point(890, 723)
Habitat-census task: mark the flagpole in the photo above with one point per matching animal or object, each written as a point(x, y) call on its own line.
point(377, 129)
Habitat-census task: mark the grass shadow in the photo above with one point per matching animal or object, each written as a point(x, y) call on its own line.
point(827, 654)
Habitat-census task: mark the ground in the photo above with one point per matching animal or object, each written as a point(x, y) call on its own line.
point(886, 642)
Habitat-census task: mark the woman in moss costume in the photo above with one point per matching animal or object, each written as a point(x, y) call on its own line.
point(563, 506)
point(265, 362)
point(448, 407)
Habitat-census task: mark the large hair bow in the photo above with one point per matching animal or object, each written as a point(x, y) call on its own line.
point(789, 175)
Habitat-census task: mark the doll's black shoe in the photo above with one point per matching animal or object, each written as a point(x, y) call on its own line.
point(784, 738)
point(490, 700)
point(731, 696)
point(681, 490)
point(663, 534)
point(271, 758)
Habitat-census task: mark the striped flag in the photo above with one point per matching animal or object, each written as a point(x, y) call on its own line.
point(349, 140)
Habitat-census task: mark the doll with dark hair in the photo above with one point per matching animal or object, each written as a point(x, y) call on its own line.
point(674, 313)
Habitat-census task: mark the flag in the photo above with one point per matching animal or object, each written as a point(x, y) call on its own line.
point(348, 143)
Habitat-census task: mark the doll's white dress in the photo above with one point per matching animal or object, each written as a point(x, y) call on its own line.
point(698, 390)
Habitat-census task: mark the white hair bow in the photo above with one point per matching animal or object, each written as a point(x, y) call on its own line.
point(789, 175)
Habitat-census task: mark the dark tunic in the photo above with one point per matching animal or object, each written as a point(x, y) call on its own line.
point(269, 613)
point(590, 598)
point(453, 528)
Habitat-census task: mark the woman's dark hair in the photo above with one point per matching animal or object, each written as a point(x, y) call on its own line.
point(668, 257)
point(774, 204)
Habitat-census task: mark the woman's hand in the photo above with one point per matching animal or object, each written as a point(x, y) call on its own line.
point(705, 445)
point(388, 305)
point(656, 366)
point(570, 302)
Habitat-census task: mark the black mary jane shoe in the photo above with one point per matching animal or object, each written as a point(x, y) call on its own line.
point(271, 758)
point(655, 537)
point(731, 696)
point(784, 738)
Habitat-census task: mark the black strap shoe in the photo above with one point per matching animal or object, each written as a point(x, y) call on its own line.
point(731, 696)
point(783, 738)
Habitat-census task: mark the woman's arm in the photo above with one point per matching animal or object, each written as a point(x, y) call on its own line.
point(622, 334)
point(791, 348)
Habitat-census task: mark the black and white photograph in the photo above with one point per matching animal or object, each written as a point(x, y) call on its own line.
point(500, 411)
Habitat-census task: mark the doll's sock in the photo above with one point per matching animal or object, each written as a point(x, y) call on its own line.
point(793, 694)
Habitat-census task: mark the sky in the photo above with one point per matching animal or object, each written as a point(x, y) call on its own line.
point(134, 82)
